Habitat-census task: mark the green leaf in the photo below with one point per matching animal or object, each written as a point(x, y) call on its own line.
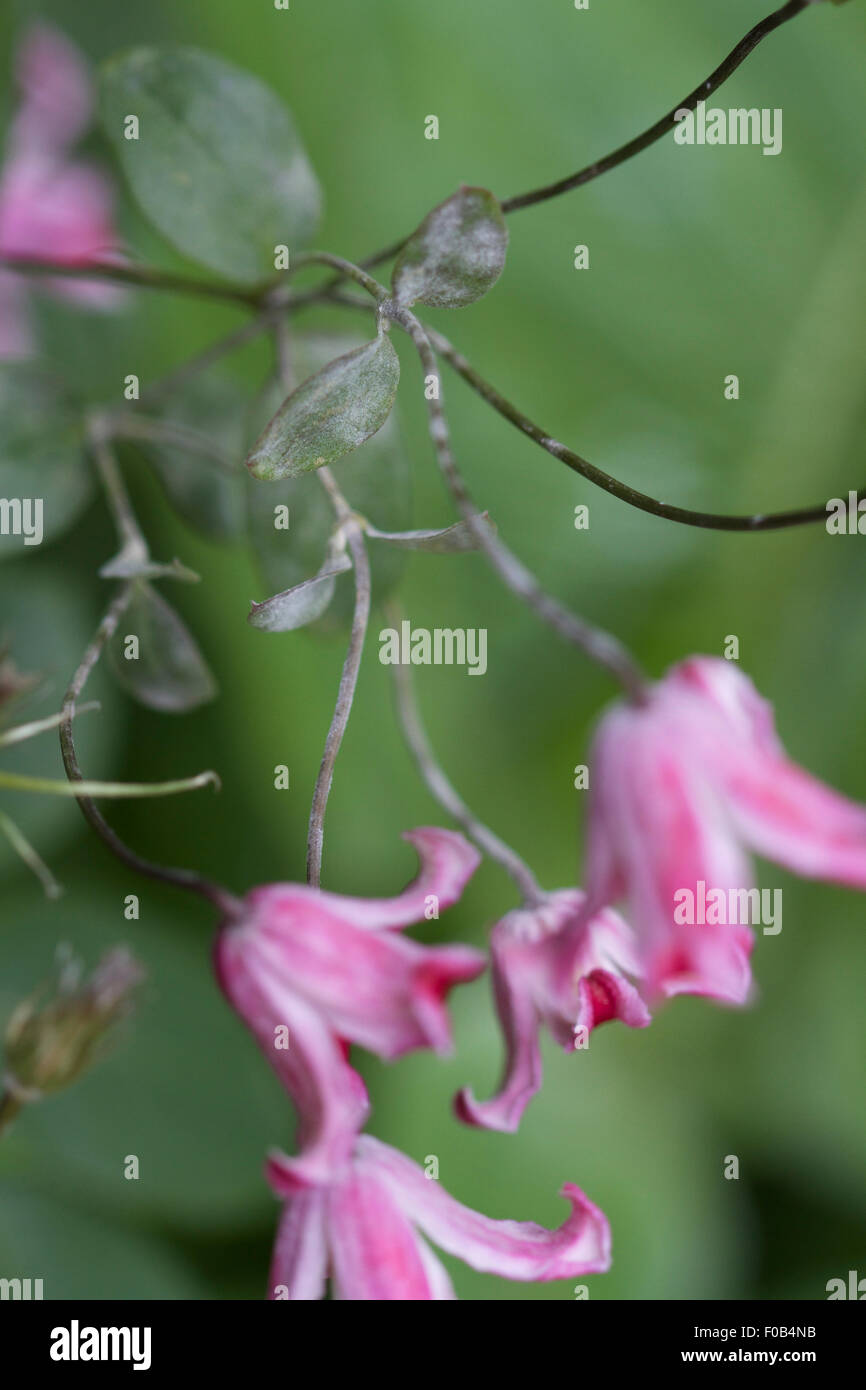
point(42, 459)
point(217, 166)
point(375, 481)
point(303, 603)
point(453, 539)
point(331, 414)
point(197, 474)
point(456, 255)
point(169, 672)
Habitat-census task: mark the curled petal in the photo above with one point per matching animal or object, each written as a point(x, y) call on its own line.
point(552, 965)
point(520, 1022)
point(778, 809)
point(513, 1249)
point(448, 861)
point(308, 1058)
point(299, 1267)
point(377, 989)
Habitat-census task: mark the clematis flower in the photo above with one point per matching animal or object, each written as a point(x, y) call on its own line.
point(683, 787)
point(552, 967)
point(310, 972)
point(52, 208)
point(366, 1229)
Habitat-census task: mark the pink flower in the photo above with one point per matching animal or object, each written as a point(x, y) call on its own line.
point(553, 967)
point(364, 1230)
point(51, 207)
point(682, 788)
point(310, 971)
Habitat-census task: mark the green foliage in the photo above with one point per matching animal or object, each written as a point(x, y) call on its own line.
point(41, 452)
point(217, 165)
point(168, 672)
point(456, 255)
point(331, 414)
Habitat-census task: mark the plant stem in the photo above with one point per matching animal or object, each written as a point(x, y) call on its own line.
point(444, 792)
point(143, 277)
point(129, 532)
point(347, 270)
point(130, 425)
point(667, 123)
point(686, 516)
point(348, 679)
point(633, 147)
point(600, 646)
point(225, 902)
point(29, 856)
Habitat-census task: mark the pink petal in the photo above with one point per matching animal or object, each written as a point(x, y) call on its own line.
point(60, 213)
point(513, 968)
point(328, 1094)
point(660, 825)
point(513, 1249)
point(448, 861)
point(377, 1256)
point(550, 965)
point(300, 1259)
point(377, 989)
point(54, 81)
point(780, 810)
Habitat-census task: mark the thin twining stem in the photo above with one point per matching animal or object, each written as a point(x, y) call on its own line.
point(442, 790)
point(602, 647)
point(686, 516)
point(354, 539)
point(129, 532)
point(255, 297)
point(667, 123)
point(348, 680)
point(143, 277)
point(633, 147)
point(29, 856)
point(225, 902)
point(130, 425)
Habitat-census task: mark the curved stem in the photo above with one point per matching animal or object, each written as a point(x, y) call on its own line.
point(441, 789)
point(143, 277)
point(346, 269)
point(600, 646)
point(633, 147)
point(225, 902)
point(686, 516)
point(348, 682)
point(129, 532)
point(667, 123)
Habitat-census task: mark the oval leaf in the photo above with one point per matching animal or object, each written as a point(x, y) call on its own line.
point(456, 255)
point(217, 165)
point(169, 672)
point(45, 478)
point(454, 538)
point(303, 604)
point(291, 521)
point(331, 414)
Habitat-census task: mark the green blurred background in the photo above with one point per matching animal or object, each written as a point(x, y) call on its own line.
point(703, 263)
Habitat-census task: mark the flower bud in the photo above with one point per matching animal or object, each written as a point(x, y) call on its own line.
point(56, 1034)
